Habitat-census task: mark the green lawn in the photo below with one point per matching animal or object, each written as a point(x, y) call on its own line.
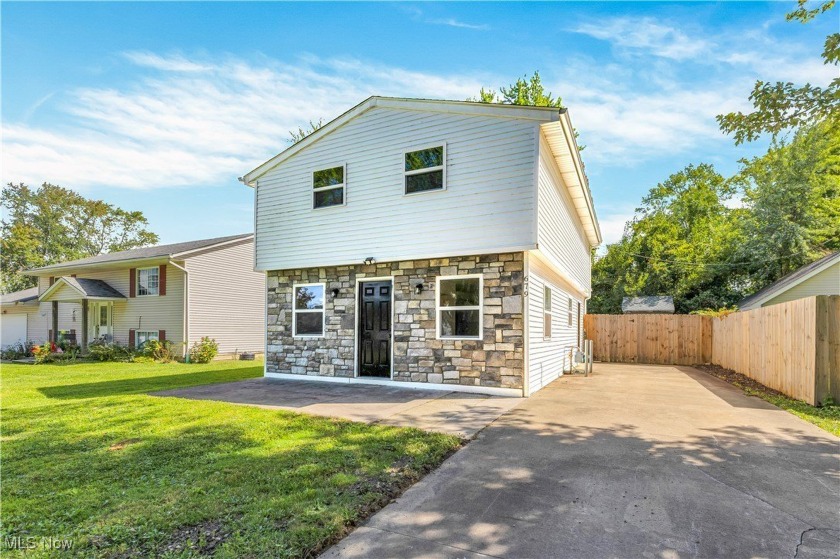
point(88, 456)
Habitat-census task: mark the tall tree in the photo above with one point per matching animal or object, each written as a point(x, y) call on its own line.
point(304, 132)
point(783, 106)
point(793, 197)
point(52, 224)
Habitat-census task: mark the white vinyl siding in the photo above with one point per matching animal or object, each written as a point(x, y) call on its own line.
point(826, 282)
point(559, 230)
point(37, 325)
point(548, 358)
point(488, 204)
point(227, 298)
point(163, 312)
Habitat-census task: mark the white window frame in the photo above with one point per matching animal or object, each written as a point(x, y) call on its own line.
point(137, 286)
point(343, 186)
point(149, 335)
point(480, 307)
point(295, 311)
point(424, 170)
point(548, 313)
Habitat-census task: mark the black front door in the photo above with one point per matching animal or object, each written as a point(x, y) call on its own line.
point(375, 329)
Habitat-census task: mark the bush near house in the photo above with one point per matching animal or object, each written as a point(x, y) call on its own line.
point(204, 351)
point(90, 456)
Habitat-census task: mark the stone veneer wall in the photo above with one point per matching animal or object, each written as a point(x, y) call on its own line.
point(495, 361)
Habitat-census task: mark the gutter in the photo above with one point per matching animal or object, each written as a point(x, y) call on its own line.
point(186, 323)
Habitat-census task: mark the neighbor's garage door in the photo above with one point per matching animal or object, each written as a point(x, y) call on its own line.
point(12, 329)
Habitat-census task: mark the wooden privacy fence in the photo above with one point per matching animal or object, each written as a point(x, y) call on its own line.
point(791, 347)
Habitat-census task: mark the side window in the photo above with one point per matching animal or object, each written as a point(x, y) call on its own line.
point(571, 319)
point(425, 170)
point(547, 312)
point(328, 187)
point(308, 320)
point(143, 336)
point(459, 307)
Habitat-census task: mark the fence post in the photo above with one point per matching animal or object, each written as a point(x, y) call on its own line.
point(822, 357)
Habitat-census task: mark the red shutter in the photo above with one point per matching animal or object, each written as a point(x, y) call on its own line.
point(49, 335)
point(131, 338)
point(52, 280)
point(132, 283)
point(161, 335)
point(72, 275)
point(162, 280)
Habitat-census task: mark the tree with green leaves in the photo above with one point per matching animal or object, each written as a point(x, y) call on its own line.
point(52, 224)
point(783, 106)
point(793, 197)
point(679, 243)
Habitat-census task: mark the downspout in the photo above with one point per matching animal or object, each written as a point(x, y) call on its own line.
point(186, 322)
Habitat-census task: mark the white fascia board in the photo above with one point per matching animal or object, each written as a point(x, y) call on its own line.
point(552, 263)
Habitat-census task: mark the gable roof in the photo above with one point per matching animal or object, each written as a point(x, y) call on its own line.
point(786, 282)
point(87, 288)
point(23, 296)
point(161, 251)
point(648, 304)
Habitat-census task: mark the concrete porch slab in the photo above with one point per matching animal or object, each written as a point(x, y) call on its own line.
point(456, 413)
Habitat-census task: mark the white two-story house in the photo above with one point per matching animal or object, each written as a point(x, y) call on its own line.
point(434, 244)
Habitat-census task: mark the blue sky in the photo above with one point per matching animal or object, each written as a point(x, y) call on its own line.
point(160, 107)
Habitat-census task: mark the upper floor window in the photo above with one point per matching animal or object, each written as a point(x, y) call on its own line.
point(328, 187)
point(425, 170)
point(459, 307)
point(148, 281)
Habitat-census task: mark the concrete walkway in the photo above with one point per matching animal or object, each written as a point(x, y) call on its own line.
point(634, 461)
point(455, 413)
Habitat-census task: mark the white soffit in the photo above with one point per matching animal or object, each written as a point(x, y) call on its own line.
point(561, 140)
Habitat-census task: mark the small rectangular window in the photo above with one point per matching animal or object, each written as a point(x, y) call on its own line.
point(571, 320)
point(547, 312)
point(143, 336)
point(308, 320)
point(148, 281)
point(328, 187)
point(425, 170)
point(459, 307)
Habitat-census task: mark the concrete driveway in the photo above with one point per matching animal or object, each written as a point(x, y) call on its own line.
point(456, 413)
point(634, 461)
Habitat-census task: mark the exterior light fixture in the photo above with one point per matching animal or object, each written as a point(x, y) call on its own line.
point(418, 288)
point(335, 292)
point(370, 260)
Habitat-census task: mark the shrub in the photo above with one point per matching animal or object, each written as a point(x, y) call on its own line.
point(44, 353)
point(17, 351)
point(204, 351)
point(158, 351)
point(102, 351)
point(717, 313)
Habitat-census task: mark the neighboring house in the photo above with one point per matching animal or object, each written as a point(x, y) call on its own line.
point(176, 292)
point(651, 304)
point(439, 244)
point(21, 318)
point(817, 278)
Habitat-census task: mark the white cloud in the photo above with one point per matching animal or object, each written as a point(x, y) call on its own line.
point(190, 122)
point(452, 22)
point(645, 35)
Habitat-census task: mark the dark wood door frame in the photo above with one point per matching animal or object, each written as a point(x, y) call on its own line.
point(374, 323)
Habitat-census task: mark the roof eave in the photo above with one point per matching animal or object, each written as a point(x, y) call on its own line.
point(49, 270)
